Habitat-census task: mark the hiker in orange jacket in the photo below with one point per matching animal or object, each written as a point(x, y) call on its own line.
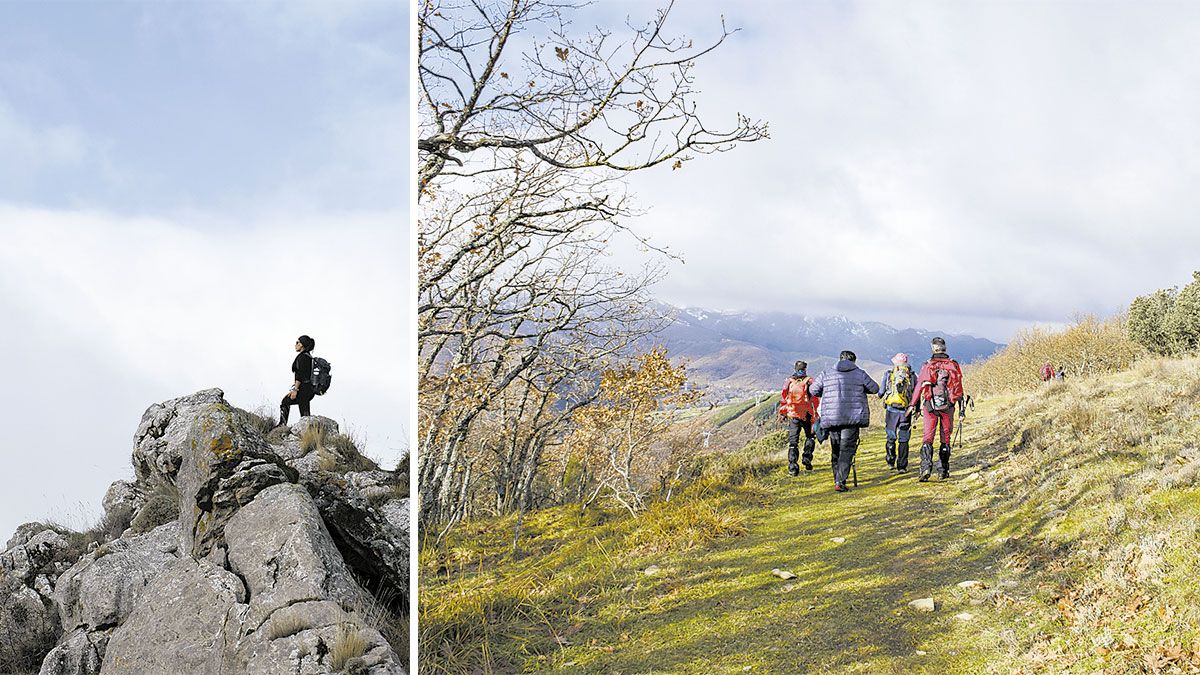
point(799, 411)
point(939, 388)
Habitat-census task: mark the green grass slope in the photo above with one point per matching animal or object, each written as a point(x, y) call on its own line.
point(1076, 508)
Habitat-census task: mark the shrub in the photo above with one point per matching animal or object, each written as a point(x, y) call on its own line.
point(1147, 321)
point(1088, 347)
point(159, 509)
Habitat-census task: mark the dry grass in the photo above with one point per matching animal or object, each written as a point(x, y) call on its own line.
point(1089, 347)
point(261, 419)
point(349, 644)
point(312, 438)
point(286, 626)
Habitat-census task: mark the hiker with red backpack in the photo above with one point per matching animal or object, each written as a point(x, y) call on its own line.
point(896, 390)
point(843, 391)
point(799, 412)
point(1047, 372)
point(938, 389)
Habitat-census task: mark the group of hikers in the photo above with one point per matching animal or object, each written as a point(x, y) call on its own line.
point(1049, 373)
point(834, 404)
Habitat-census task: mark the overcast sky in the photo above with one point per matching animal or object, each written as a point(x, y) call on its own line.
point(184, 189)
point(974, 167)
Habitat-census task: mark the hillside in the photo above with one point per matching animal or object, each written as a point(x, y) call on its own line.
point(732, 354)
point(240, 546)
point(1066, 541)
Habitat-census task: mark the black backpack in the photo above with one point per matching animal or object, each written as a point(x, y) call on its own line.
point(320, 375)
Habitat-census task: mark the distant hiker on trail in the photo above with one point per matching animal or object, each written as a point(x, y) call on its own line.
point(799, 410)
point(1047, 372)
point(301, 392)
point(843, 411)
point(939, 388)
point(896, 390)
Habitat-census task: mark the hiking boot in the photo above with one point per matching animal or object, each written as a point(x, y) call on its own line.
point(838, 487)
point(943, 474)
point(793, 470)
point(902, 455)
point(924, 476)
point(926, 459)
point(944, 459)
point(902, 470)
point(808, 466)
point(889, 453)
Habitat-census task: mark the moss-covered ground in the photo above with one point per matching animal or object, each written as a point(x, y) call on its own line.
point(1071, 506)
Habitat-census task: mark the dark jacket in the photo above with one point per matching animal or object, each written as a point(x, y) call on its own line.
point(843, 391)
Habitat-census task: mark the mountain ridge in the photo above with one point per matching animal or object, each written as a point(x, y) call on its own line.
point(732, 353)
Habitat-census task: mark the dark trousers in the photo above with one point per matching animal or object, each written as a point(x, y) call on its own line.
point(795, 426)
point(843, 443)
point(899, 431)
point(303, 398)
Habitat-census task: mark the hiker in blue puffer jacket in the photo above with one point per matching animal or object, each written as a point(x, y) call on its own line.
point(843, 391)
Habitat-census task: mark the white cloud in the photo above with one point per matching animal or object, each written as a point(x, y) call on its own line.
point(108, 314)
point(1005, 164)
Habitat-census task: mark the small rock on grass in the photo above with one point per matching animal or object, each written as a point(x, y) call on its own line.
point(971, 583)
point(965, 616)
point(652, 570)
point(838, 540)
point(783, 574)
point(921, 652)
point(923, 604)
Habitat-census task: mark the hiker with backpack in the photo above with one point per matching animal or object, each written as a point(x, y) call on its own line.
point(310, 377)
point(896, 390)
point(843, 411)
point(799, 411)
point(938, 389)
point(1047, 372)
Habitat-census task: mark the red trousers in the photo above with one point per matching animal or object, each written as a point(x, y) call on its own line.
point(931, 424)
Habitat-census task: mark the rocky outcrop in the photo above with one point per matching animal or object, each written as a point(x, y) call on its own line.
point(266, 566)
point(181, 624)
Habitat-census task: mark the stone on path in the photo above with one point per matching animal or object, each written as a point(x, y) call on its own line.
point(971, 583)
point(783, 574)
point(923, 605)
point(965, 616)
point(838, 540)
point(652, 570)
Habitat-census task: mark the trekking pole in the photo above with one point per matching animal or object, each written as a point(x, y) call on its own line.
point(854, 471)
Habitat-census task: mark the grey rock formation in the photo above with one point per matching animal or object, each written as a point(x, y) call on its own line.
point(80, 652)
point(260, 573)
point(28, 623)
point(223, 464)
point(300, 588)
point(35, 556)
point(123, 497)
point(102, 589)
point(181, 624)
point(162, 434)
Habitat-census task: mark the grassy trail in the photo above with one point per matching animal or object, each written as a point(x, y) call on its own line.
point(1077, 506)
point(719, 609)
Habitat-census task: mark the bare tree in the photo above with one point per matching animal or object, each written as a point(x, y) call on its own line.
point(526, 132)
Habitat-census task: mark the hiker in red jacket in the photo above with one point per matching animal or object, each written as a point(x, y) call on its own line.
point(939, 388)
point(799, 411)
point(1047, 372)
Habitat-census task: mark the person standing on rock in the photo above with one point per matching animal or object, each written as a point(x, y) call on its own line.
point(843, 410)
point(939, 388)
point(799, 411)
point(896, 390)
point(301, 393)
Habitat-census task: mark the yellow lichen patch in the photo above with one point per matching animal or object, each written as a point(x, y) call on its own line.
point(222, 446)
